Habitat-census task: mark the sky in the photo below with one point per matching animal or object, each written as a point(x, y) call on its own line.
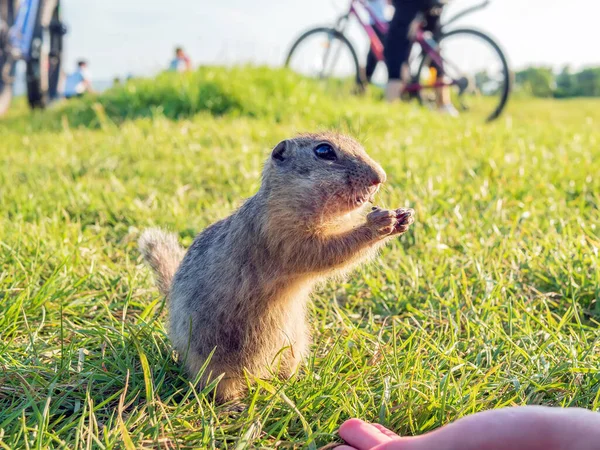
point(119, 37)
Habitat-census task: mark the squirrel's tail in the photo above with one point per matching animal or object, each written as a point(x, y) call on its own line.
point(163, 254)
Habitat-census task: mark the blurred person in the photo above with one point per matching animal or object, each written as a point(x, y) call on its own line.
point(398, 46)
point(521, 427)
point(181, 62)
point(79, 82)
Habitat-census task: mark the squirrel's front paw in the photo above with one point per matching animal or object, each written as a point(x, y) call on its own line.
point(385, 222)
point(382, 221)
point(404, 219)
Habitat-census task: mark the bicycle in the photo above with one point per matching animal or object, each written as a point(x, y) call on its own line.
point(32, 31)
point(434, 62)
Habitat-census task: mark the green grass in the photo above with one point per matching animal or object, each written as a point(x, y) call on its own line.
point(490, 300)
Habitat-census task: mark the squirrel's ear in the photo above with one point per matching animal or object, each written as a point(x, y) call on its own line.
point(279, 152)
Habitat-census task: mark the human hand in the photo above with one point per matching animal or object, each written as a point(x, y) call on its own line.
point(524, 428)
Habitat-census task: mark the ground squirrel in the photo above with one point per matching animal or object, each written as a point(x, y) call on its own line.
point(242, 287)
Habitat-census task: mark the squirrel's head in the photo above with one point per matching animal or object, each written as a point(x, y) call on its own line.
point(321, 175)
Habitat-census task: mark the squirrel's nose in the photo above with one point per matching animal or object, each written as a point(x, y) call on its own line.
point(377, 176)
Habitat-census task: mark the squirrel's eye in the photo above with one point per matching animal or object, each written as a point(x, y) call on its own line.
point(325, 151)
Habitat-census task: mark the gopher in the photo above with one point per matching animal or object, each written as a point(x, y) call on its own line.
point(240, 291)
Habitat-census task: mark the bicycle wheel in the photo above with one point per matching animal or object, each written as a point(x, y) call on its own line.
point(43, 66)
point(478, 68)
point(7, 63)
point(326, 54)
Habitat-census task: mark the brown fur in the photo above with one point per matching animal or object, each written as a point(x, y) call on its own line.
point(241, 289)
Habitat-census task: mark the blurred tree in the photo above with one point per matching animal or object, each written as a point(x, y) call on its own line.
point(588, 82)
point(537, 81)
point(542, 82)
point(565, 83)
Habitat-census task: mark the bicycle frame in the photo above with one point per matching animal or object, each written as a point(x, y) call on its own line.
point(21, 33)
point(376, 44)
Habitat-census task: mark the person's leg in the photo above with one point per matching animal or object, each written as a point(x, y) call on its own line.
point(397, 45)
point(370, 66)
